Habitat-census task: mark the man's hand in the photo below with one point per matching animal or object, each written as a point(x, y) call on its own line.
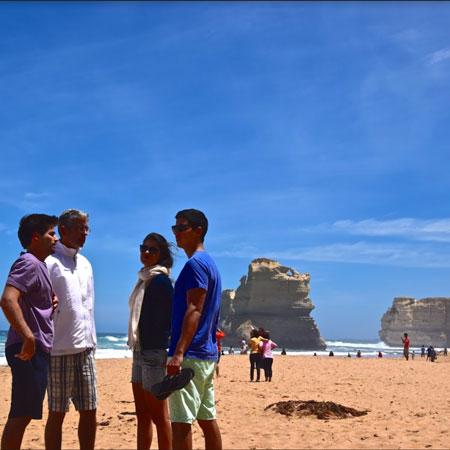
point(28, 349)
point(55, 302)
point(174, 365)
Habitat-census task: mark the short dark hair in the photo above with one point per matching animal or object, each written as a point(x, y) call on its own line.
point(165, 252)
point(31, 223)
point(195, 218)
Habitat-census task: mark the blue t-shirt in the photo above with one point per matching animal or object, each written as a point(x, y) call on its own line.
point(200, 271)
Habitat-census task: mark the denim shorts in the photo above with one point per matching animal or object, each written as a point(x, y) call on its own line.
point(149, 367)
point(29, 382)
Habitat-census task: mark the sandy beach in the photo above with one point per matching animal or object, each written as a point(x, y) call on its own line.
point(408, 405)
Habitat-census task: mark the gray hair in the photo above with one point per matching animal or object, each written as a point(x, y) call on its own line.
point(69, 215)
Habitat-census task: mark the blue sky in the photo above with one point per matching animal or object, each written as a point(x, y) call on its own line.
point(314, 133)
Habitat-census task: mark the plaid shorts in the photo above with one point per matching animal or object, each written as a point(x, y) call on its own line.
point(72, 377)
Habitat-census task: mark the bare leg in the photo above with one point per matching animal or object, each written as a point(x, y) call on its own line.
point(53, 430)
point(213, 439)
point(182, 436)
point(144, 421)
point(87, 427)
point(159, 415)
point(13, 432)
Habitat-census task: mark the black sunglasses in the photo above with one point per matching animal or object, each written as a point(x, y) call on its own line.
point(153, 250)
point(180, 228)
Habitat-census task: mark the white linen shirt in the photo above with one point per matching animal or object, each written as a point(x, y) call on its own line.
point(73, 283)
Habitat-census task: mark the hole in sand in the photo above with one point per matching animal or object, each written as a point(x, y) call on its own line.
point(322, 410)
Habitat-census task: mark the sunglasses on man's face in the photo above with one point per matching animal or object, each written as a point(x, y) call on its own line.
point(180, 228)
point(151, 250)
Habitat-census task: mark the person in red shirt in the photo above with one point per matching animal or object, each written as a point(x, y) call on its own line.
point(406, 342)
point(219, 336)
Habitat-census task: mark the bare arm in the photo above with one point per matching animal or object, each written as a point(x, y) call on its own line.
point(195, 301)
point(13, 313)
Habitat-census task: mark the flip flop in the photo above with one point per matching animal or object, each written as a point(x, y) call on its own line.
point(172, 383)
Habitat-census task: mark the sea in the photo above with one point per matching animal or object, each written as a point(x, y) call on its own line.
point(114, 345)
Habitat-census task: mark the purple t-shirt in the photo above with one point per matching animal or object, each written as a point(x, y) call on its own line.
point(30, 276)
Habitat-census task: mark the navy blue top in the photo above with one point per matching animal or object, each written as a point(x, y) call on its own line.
point(156, 314)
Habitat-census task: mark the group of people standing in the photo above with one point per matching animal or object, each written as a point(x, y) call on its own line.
point(49, 302)
point(261, 355)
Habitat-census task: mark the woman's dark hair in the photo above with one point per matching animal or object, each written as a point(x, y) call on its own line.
point(266, 335)
point(254, 333)
point(165, 249)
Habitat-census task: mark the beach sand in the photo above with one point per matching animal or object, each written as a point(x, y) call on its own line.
point(408, 404)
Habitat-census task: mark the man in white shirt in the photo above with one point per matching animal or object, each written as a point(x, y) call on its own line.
point(72, 374)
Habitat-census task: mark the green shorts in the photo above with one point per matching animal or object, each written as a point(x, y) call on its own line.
point(196, 400)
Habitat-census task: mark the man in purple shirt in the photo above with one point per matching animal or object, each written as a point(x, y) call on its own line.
point(28, 302)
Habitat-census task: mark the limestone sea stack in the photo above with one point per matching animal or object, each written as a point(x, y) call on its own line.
point(273, 297)
point(427, 322)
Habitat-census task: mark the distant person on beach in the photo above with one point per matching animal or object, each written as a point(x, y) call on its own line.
point(150, 307)
point(196, 307)
point(433, 354)
point(255, 355)
point(380, 355)
point(422, 351)
point(429, 352)
point(283, 351)
point(244, 346)
point(267, 356)
point(72, 373)
point(28, 302)
point(231, 350)
point(406, 342)
point(348, 355)
point(331, 353)
point(445, 351)
point(358, 354)
point(219, 336)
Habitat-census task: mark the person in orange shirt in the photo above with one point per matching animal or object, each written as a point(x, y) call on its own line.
point(219, 336)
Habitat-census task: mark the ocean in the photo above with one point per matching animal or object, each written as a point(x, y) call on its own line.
point(114, 345)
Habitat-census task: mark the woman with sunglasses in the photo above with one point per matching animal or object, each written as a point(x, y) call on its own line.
point(150, 306)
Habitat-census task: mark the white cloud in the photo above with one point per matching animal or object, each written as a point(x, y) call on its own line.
point(35, 195)
point(439, 56)
point(358, 253)
point(437, 230)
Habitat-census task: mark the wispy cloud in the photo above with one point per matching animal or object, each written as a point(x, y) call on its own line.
point(437, 230)
point(27, 201)
point(439, 56)
point(35, 195)
point(358, 253)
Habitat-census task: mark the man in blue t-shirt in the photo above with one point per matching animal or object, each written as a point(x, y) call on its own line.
point(195, 315)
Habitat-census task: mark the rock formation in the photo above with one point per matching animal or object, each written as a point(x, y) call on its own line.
point(427, 322)
point(273, 297)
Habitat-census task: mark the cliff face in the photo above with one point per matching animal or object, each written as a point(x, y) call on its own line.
point(427, 322)
point(273, 297)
